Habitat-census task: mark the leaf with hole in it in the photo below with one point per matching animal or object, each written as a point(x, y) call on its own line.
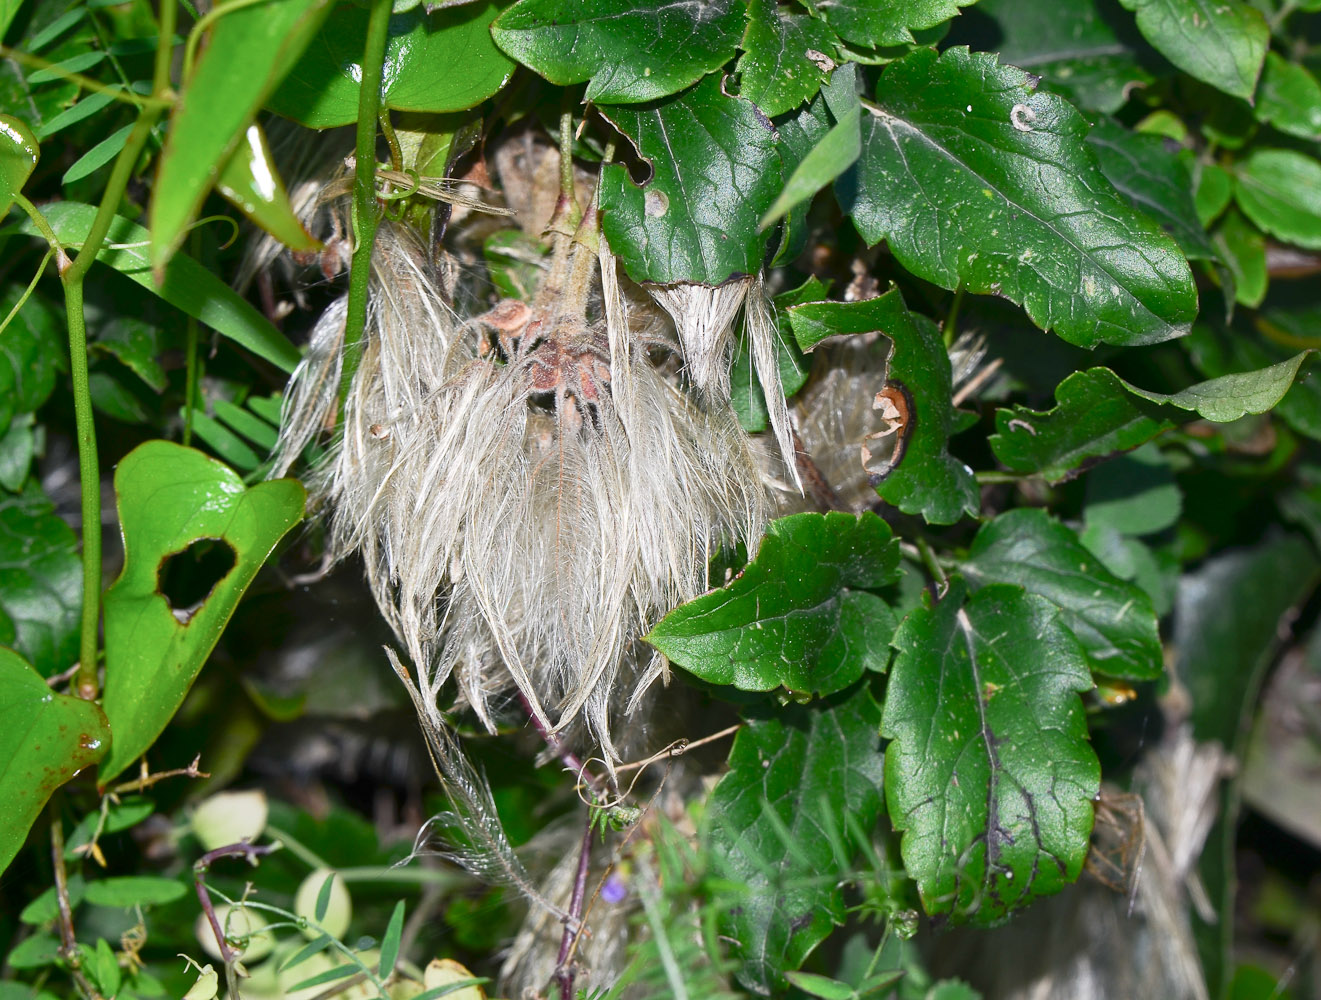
point(1280, 191)
point(45, 739)
point(629, 50)
point(870, 23)
point(1220, 42)
point(989, 775)
point(1114, 620)
point(973, 177)
point(187, 285)
point(779, 821)
point(170, 497)
point(1091, 59)
point(800, 615)
point(248, 52)
point(716, 169)
point(438, 62)
point(919, 476)
point(18, 156)
point(41, 580)
point(776, 71)
point(1150, 175)
point(251, 182)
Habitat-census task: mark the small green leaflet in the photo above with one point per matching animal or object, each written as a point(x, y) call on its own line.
point(990, 775)
point(1280, 191)
point(1220, 42)
point(801, 615)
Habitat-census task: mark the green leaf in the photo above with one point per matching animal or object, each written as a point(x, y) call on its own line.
point(1220, 42)
point(19, 152)
point(919, 476)
point(1146, 171)
point(989, 775)
point(18, 446)
point(1235, 395)
point(251, 182)
point(746, 396)
point(45, 739)
point(98, 156)
point(101, 967)
point(1094, 416)
point(775, 71)
point(438, 62)
point(1227, 625)
point(46, 907)
point(390, 942)
point(799, 615)
point(1080, 53)
point(32, 350)
point(1280, 191)
point(85, 108)
point(1134, 495)
point(41, 579)
point(318, 944)
point(775, 822)
point(974, 178)
point(248, 52)
point(326, 976)
point(1214, 189)
point(629, 50)
point(831, 156)
point(885, 22)
point(135, 890)
point(170, 497)
point(1113, 620)
point(1289, 98)
point(717, 168)
point(1243, 249)
point(820, 986)
point(187, 285)
point(35, 952)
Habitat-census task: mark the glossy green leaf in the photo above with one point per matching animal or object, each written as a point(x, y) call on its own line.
point(1289, 98)
point(627, 50)
point(1237, 394)
point(438, 62)
point(41, 578)
point(1243, 249)
point(1220, 42)
point(1133, 495)
point(832, 155)
point(1114, 620)
point(248, 52)
point(1213, 191)
point(974, 178)
point(187, 285)
point(717, 168)
point(135, 890)
point(1094, 416)
point(252, 183)
point(776, 71)
point(1146, 171)
point(919, 476)
point(1280, 191)
point(989, 775)
point(19, 152)
point(871, 23)
point(746, 394)
point(799, 616)
point(45, 739)
point(170, 497)
point(88, 106)
point(1078, 47)
point(795, 776)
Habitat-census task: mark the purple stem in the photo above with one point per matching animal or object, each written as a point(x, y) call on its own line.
point(564, 971)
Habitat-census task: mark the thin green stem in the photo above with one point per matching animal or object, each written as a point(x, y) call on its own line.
point(950, 329)
point(191, 334)
point(992, 477)
point(392, 141)
point(365, 213)
point(566, 154)
point(932, 564)
point(72, 275)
